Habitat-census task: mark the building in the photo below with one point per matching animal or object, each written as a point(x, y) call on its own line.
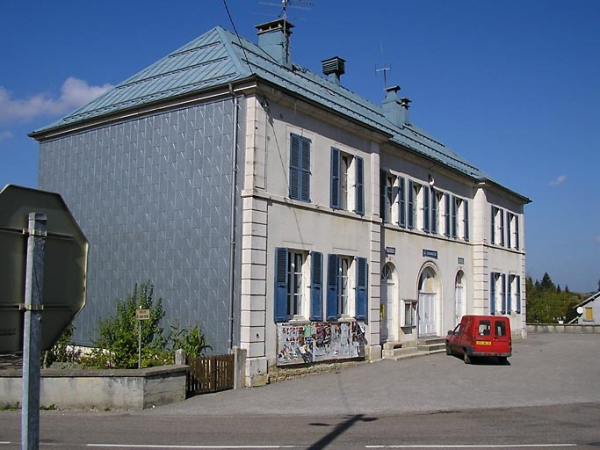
point(278, 210)
point(588, 310)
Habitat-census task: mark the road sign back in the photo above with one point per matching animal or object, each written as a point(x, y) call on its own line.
point(65, 265)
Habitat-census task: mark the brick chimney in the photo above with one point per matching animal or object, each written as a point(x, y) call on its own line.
point(274, 39)
point(334, 68)
point(395, 109)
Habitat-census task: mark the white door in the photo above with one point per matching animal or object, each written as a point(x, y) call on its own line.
point(387, 301)
point(426, 312)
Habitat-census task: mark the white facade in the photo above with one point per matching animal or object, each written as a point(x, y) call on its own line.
point(419, 283)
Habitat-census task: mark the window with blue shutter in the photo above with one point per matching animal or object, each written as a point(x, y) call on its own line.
point(332, 287)
point(454, 213)
point(447, 214)
point(434, 211)
point(411, 205)
point(360, 185)
point(336, 178)
point(503, 283)
point(300, 168)
point(383, 187)
point(316, 286)
point(518, 306)
point(492, 293)
point(426, 210)
point(466, 219)
point(361, 288)
point(281, 288)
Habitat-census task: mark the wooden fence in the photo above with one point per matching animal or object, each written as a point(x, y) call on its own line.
point(210, 374)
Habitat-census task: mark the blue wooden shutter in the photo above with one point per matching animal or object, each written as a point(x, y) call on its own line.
point(492, 293)
point(336, 179)
point(503, 278)
point(518, 295)
point(361, 288)
point(501, 228)
point(402, 202)
point(295, 167)
point(466, 219)
point(281, 288)
point(426, 213)
point(360, 185)
point(454, 227)
point(316, 286)
point(517, 232)
point(332, 287)
point(434, 211)
point(382, 196)
point(411, 205)
point(305, 167)
point(508, 229)
point(493, 222)
point(509, 294)
point(447, 215)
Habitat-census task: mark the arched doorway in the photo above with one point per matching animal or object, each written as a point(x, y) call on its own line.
point(426, 310)
point(388, 294)
point(460, 299)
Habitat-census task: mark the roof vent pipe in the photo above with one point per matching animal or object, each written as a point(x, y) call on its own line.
point(334, 68)
point(274, 39)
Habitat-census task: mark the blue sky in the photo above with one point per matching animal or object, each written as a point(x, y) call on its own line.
point(511, 85)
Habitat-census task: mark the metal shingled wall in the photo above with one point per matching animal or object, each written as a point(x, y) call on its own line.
point(153, 197)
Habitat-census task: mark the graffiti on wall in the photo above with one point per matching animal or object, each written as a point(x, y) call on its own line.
point(300, 344)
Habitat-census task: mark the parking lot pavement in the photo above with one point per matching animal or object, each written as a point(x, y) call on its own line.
point(545, 369)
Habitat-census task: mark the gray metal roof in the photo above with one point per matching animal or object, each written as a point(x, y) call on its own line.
point(219, 57)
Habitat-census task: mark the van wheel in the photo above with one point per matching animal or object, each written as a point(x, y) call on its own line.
point(467, 358)
point(448, 349)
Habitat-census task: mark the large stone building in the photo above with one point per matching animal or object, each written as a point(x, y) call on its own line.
point(278, 210)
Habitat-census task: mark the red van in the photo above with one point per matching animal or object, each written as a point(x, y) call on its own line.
point(477, 336)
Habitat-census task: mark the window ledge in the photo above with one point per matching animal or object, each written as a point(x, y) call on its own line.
point(299, 321)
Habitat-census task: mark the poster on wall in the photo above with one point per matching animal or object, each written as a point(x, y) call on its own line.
point(301, 344)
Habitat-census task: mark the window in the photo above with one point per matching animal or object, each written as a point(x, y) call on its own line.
point(460, 218)
point(589, 314)
point(500, 328)
point(401, 202)
point(299, 168)
point(346, 287)
point(435, 200)
point(410, 308)
point(347, 182)
point(412, 202)
point(447, 215)
point(498, 293)
point(387, 196)
point(298, 280)
point(512, 230)
point(513, 294)
point(497, 232)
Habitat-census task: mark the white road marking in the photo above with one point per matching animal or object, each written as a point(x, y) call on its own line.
point(474, 446)
point(191, 447)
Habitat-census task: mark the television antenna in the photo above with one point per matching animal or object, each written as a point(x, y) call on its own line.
point(385, 70)
point(285, 4)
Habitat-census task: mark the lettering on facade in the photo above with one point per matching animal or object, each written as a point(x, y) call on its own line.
point(390, 250)
point(430, 254)
point(461, 260)
point(319, 342)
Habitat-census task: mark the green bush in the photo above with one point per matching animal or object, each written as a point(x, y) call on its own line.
point(192, 342)
point(61, 352)
point(117, 346)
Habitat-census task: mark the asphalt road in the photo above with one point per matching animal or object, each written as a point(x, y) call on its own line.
point(548, 397)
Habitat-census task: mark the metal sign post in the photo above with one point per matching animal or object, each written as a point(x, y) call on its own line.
point(141, 314)
point(32, 332)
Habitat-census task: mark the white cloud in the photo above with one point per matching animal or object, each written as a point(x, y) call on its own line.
point(559, 180)
point(73, 94)
point(5, 135)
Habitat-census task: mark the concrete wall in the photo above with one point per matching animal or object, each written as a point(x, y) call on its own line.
point(562, 328)
point(100, 389)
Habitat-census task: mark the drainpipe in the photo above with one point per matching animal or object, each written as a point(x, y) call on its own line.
point(232, 243)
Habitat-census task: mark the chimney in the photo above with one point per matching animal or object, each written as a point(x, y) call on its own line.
point(274, 39)
point(395, 109)
point(334, 68)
